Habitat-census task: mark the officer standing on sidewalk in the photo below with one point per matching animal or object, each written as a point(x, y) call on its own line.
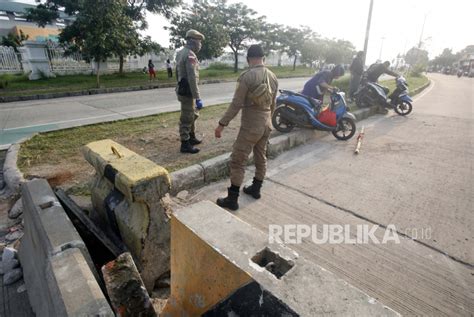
point(187, 74)
point(255, 94)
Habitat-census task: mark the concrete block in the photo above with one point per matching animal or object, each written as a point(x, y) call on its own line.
point(216, 168)
point(48, 232)
point(277, 145)
point(137, 186)
point(186, 178)
point(73, 287)
point(131, 173)
point(269, 272)
point(125, 288)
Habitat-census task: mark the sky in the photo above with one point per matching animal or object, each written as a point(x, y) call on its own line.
point(396, 24)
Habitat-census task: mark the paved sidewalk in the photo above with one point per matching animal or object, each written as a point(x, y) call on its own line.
point(415, 173)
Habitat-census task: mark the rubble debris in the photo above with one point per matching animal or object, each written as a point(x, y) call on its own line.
point(125, 288)
point(16, 210)
point(14, 235)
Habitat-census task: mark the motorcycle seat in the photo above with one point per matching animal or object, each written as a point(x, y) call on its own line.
point(314, 102)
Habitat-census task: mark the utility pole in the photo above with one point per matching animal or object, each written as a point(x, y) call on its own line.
point(421, 34)
point(367, 31)
point(381, 48)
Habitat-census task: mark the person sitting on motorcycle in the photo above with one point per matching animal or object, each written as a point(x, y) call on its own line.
point(321, 82)
point(377, 69)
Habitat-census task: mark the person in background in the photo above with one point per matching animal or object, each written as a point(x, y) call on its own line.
point(169, 68)
point(151, 70)
point(321, 82)
point(187, 90)
point(356, 69)
point(377, 69)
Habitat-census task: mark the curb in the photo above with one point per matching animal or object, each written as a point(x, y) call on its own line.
point(96, 91)
point(12, 176)
point(210, 170)
point(216, 168)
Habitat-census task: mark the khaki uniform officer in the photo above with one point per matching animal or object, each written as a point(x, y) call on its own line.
point(255, 95)
point(187, 70)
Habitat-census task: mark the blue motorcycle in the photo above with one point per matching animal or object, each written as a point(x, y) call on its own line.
point(297, 110)
point(370, 93)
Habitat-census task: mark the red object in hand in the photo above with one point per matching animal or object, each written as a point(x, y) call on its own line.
point(327, 117)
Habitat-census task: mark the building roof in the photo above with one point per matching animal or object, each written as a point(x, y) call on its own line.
point(15, 6)
point(20, 7)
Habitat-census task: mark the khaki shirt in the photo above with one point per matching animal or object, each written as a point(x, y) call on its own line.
point(254, 118)
point(187, 66)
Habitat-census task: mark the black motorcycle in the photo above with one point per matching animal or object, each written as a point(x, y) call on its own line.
point(374, 94)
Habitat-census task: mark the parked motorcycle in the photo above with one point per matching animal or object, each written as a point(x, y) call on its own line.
point(297, 110)
point(372, 94)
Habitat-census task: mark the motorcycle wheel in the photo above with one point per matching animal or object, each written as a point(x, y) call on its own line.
point(280, 123)
point(346, 128)
point(403, 108)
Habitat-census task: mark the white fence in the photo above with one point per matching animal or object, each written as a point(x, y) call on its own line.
point(10, 61)
point(63, 64)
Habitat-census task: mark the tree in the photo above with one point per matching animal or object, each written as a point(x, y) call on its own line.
point(313, 50)
point(293, 40)
point(211, 27)
point(135, 10)
point(339, 51)
point(98, 27)
point(241, 24)
point(416, 56)
point(446, 58)
point(223, 24)
point(14, 40)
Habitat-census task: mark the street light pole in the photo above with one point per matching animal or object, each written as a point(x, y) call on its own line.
point(381, 48)
point(367, 31)
point(422, 30)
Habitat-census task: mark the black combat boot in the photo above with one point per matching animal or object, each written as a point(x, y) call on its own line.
point(187, 147)
point(193, 140)
point(231, 201)
point(254, 189)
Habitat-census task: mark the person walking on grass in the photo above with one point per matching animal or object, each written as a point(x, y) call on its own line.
point(169, 68)
point(151, 70)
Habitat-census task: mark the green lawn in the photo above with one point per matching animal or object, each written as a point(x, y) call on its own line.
point(19, 85)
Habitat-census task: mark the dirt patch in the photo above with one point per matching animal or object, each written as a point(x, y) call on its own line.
point(56, 156)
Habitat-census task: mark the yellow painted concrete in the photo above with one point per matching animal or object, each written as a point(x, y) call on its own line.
point(132, 168)
point(201, 277)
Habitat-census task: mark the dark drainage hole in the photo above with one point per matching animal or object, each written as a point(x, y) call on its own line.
point(273, 262)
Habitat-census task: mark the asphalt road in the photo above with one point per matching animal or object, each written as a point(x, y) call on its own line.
point(415, 173)
point(22, 119)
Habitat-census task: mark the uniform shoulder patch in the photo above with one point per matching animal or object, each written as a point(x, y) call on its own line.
point(192, 58)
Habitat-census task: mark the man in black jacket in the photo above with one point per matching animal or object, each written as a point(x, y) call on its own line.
point(357, 68)
point(376, 70)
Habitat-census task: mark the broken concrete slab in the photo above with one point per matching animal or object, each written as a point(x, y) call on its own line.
point(73, 287)
point(126, 289)
point(128, 196)
point(58, 271)
point(245, 256)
